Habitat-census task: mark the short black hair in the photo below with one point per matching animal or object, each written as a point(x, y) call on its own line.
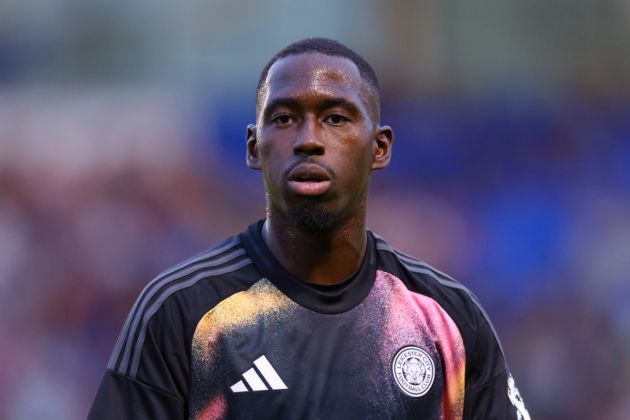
point(327, 47)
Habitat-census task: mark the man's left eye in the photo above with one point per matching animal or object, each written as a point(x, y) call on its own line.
point(335, 119)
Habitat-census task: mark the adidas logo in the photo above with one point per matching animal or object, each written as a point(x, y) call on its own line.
point(254, 380)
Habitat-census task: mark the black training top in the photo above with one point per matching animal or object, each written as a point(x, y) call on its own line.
point(231, 334)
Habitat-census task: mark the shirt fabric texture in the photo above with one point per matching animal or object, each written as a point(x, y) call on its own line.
point(231, 334)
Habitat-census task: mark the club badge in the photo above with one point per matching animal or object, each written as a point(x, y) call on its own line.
point(413, 370)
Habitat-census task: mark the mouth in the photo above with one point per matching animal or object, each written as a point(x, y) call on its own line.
point(309, 180)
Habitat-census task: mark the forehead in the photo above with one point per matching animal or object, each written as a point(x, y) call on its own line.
point(310, 74)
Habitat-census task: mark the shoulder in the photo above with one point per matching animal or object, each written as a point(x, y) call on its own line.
point(419, 276)
point(456, 299)
point(173, 301)
point(219, 268)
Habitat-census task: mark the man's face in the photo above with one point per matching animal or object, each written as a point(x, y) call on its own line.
point(316, 140)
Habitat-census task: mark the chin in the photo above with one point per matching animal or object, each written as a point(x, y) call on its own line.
point(314, 218)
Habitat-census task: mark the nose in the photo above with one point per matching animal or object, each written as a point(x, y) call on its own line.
point(307, 141)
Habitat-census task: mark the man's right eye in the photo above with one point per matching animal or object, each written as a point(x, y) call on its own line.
point(282, 119)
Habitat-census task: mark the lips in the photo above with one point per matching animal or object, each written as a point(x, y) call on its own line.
point(309, 179)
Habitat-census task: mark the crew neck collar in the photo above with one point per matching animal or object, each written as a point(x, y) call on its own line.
point(328, 299)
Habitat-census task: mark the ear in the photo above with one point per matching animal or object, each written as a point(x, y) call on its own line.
point(383, 140)
point(252, 159)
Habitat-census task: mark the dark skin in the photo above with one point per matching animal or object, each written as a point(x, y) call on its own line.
point(316, 142)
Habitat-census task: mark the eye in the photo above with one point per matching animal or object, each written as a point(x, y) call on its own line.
point(282, 119)
point(335, 119)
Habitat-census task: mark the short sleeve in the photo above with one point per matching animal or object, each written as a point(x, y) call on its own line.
point(121, 397)
point(147, 375)
point(491, 392)
point(498, 399)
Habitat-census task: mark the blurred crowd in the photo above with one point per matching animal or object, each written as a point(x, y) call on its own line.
point(528, 205)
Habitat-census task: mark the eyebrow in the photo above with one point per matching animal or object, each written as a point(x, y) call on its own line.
point(325, 104)
point(279, 102)
point(341, 103)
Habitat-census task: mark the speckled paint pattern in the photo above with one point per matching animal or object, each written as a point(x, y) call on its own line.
point(331, 363)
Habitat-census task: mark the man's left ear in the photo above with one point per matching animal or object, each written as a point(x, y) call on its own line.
point(383, 140)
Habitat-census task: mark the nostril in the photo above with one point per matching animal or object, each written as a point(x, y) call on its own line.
point(309, 148)
point(310, 152)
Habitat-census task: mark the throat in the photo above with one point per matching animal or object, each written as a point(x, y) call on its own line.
point(320, 258)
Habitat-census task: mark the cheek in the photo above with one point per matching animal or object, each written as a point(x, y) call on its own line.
point(271, 163)
point(358, 153)
point(269, 154)
point(276, 146)
point(356, 163)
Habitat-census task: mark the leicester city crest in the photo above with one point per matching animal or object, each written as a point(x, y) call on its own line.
point(413, 370)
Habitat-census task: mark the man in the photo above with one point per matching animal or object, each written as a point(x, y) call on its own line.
point(306, 314)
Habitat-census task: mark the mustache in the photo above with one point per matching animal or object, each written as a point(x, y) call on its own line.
point(312, 161)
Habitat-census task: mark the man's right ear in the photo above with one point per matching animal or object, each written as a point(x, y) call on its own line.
point(253, 161)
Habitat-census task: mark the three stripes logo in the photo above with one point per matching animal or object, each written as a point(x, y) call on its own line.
point(255, 382)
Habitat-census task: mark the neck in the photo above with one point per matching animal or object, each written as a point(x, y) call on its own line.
point(322, 257)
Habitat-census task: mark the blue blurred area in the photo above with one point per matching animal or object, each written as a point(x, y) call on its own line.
point(122, 134)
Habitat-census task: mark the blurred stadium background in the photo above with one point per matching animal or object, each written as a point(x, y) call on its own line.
point(122, 127)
